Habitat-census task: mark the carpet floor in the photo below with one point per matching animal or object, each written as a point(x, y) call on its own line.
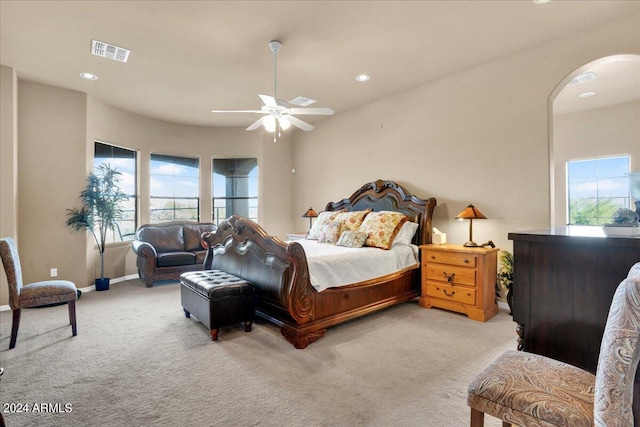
point(137, 361)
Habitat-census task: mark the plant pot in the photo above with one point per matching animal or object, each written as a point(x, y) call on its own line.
point(102, 284)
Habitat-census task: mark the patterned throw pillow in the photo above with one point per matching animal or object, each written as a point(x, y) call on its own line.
point(351, 220)
point(381, 228)
point(323, 218)
point(352, 239)
point(330, 232)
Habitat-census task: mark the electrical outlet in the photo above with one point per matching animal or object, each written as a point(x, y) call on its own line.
point(54, 272)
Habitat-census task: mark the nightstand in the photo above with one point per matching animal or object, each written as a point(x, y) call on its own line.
point(460, 279)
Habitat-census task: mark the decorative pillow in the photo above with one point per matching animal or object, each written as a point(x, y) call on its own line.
point(351, 220)
point(406, 233)
point(330, 232)
point(323, 218)
point(381, 228)
point(352, 239)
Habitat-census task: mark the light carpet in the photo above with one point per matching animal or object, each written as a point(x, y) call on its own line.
point(137, 361)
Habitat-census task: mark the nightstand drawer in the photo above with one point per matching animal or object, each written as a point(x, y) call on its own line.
point(452, 275)
point(451, 258)
point(453, 293)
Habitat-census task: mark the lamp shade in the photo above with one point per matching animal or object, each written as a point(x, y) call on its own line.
point(471, 213)
point(310, 213)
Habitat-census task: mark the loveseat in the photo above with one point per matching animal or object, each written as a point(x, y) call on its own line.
point(169, 249)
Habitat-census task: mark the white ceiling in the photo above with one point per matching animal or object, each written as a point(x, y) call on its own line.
point(189, 57)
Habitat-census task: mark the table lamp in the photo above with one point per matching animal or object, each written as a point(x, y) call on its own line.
point(471, 213)
point(310, 213)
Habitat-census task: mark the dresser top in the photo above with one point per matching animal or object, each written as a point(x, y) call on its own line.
point(574, 234)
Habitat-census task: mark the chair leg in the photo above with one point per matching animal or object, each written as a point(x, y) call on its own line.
point(506, 424)
point(477, 418)
point(72, 317)
point(14, 328)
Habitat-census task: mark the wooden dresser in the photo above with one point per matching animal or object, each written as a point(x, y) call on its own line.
point(564, 280)
point(460, 279)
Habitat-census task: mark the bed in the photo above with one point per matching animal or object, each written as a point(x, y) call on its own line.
point(279, 270)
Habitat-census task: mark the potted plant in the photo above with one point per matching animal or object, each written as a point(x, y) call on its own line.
point(100, 211)
point(505, 276)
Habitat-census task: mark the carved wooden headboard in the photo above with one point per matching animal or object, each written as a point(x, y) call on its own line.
point(389, 196)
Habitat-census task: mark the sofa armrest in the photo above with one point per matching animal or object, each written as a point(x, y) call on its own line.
point(144, 249)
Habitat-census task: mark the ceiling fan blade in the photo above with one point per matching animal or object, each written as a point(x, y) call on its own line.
point(237, 111)
point(299, 123)
point(269, 101)
point(318, 111)
point(255, 125)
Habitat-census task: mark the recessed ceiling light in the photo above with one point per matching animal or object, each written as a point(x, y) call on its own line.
point(363, 77)
point(586, 94)
point(541, 1)
point(88, 76)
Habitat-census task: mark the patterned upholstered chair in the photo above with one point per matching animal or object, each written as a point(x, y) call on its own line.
point(34, 294)
point(530, 390)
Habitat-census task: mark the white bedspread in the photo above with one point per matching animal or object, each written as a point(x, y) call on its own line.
point(332, 266)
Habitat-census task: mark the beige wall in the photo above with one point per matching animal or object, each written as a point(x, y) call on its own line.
point(591, 134)
point(147, 136)
point(52, 156)
point(479, 137)
point(8, 163)
point(56, 131)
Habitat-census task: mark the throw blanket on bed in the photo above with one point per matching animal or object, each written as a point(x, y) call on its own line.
point(332, 266)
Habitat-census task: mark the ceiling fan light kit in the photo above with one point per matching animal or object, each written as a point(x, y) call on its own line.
point(278, 115)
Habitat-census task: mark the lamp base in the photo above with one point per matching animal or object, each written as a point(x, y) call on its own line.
point(471, 244)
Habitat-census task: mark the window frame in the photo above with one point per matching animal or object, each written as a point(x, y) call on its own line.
point(176, 159)
point(603, 213)
point(111, 238)
point(253, 201)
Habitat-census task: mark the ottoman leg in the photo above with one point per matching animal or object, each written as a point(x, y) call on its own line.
point(214, 334)
point(247, 325)
point(186, 313)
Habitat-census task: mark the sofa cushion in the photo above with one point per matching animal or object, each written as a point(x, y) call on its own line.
point(171, 259)
point(163, 238)
point(200, 256)
point(192, 235)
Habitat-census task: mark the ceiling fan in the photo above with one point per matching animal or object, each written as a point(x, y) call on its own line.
point(278, 114)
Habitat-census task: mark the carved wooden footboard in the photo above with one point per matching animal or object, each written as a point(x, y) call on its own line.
point(278, 270)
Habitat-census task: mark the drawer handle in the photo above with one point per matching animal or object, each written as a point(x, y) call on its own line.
point(433, 257)
point(449, 276)
point(466, 261)
point(449, 294)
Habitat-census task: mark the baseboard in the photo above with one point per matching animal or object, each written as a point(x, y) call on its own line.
point(88, 288)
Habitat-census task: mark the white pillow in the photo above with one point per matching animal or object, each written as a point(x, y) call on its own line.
point(406, 233)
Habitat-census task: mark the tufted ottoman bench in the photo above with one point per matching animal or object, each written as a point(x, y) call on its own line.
point(217, 299)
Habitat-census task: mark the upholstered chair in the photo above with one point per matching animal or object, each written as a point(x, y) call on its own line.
point(526, 389)
point(34, 294)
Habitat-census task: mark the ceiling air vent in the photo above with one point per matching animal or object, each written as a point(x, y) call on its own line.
point(582, 78)
point(302, 101)
point(109, 51)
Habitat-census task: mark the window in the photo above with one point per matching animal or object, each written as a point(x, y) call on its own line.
point(596, 189)
point(174, 189)
point(235, 188)
point(124, 161)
